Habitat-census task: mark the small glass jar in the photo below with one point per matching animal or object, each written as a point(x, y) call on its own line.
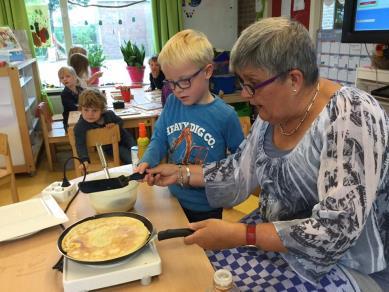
point(222, 282)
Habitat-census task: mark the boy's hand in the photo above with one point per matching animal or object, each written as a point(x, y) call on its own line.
point(110, 125)
point(141, 168)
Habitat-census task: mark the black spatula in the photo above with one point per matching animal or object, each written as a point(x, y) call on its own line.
point(107, 184)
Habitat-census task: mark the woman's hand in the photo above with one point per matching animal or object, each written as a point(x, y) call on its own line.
point(217, 234)
point(162, 175)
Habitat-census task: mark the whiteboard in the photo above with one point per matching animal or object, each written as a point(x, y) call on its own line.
point(218, 19)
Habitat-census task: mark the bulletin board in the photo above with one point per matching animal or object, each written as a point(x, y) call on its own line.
point(296, 9)
point(218, 19)
point(338, 61)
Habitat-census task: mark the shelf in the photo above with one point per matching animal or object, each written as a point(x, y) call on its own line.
point(36, 148)
point(24, 80)
point(27, 140)
point(30, 103)
point(34, 125)
point(381, 76)
point(22, 64)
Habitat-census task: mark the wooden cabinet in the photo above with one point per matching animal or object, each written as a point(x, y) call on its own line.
point(19, 96)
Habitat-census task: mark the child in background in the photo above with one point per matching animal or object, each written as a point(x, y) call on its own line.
point(69, 96)
point(76, 49)
point(92, 105)
point(80, 64)
point(195, 127)
point(156, 75)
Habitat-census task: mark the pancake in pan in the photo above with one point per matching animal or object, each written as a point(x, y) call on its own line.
point(105, 238)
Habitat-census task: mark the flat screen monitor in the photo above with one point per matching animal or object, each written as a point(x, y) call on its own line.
point(366, 21)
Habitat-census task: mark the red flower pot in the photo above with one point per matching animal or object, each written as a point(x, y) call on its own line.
point(93, 70)
point(136, 73)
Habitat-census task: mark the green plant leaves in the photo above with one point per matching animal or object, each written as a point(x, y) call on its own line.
point(132, 54)
point(96, 56)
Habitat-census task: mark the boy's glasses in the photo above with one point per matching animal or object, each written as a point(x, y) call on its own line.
point(182, 83)
point(250, 89)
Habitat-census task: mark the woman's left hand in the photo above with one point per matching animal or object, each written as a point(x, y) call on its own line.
point(217, 234)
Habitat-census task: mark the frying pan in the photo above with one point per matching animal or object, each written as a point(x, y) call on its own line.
point(162, 235)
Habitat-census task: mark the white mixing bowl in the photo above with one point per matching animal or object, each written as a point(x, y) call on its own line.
point(118, 200)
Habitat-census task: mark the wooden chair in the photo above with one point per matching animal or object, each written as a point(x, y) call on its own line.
point(53, 132)
point(7, 174)
point(246, 125)
point(103, 136)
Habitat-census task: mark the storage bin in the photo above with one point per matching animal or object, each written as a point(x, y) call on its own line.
point(225, 83)
point(221, 68)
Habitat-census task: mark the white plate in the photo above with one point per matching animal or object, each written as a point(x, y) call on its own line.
point(25, 218)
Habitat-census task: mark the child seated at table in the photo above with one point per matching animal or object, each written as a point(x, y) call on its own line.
point(94, 114)
point(69, 95)
point(80, 64)
point(156, 75)
point(195, 126)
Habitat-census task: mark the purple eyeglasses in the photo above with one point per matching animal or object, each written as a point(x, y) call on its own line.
point(251, 88)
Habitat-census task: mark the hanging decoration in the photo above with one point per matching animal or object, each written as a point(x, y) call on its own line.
point(38, 18)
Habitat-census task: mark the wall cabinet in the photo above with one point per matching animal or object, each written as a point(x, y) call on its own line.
point(369, 79)
point(19, 96)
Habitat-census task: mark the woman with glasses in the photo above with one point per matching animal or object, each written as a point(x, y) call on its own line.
point(320, 153)
point(195, 126)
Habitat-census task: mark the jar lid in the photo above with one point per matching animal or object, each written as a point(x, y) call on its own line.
point(223, 278)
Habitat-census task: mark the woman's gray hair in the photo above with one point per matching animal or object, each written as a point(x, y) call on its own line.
point(276, 45)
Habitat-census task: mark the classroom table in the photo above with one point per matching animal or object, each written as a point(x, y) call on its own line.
point(26, 264)
point(140, 101)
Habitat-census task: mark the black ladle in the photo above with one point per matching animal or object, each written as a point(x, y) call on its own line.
point(107, 184)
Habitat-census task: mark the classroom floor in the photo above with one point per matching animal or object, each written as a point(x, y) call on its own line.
point(29, 186)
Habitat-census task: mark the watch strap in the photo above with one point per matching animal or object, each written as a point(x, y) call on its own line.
point(251, 234)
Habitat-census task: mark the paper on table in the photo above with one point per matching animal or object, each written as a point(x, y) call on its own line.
point(149, 106)
point(127, 111)
point(23, 218)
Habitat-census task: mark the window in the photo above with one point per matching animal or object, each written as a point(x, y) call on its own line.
point(332, 17)
point(108, 27)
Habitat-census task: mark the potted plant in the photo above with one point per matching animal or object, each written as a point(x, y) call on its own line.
point(134, 57)
point(96, 59)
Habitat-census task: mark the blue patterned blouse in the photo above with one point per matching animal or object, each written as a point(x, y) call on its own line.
point(329, 197)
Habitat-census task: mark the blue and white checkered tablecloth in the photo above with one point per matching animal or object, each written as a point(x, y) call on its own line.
point(256, 270)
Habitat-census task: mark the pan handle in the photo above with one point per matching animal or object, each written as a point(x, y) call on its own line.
point(172, 233)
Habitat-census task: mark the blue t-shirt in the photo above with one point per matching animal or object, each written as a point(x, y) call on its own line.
point(193, 134)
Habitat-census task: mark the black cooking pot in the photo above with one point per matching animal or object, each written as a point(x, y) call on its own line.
point(162, 235)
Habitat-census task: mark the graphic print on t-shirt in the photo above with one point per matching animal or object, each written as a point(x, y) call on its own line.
point(184, 145)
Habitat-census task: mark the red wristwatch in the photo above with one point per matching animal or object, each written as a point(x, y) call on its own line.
point(251, 234)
